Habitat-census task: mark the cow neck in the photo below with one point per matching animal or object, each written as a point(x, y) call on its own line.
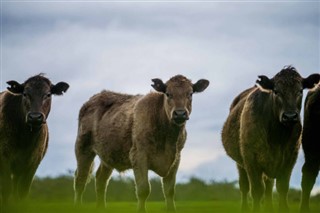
point(282, 133)
point(168, 130)
point(165, 134)
point(176, 130)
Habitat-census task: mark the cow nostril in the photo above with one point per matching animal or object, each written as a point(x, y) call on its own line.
point(180, 114)
point(290, 116)
point(35, 117)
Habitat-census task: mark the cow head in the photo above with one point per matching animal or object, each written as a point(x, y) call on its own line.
point(286, 89)
point(36, 97)
point(178, 96)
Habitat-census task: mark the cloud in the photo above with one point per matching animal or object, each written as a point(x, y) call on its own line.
point(220, 169)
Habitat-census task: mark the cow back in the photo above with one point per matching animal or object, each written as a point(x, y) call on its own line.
point(107, 119)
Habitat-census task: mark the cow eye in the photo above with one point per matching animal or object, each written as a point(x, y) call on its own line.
point(25, 94)
point(190, 95)
point(48, 95)
point(276, 92)
point(168, 95)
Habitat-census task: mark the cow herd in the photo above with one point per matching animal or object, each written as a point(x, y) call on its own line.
point(262, 134)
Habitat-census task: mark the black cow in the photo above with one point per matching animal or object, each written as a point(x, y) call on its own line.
point(310, 145)
point(261, 134)
point(24, 109)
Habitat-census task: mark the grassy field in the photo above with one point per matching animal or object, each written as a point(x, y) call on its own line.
point(152, 207)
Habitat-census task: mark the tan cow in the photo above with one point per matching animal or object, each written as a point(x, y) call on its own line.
point(139, 132)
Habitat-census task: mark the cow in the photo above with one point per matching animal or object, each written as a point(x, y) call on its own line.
point(139, 132)
point(310, 145)
point(261, 134)
point(24, 109)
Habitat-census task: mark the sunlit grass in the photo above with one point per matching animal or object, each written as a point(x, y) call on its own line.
point(152, 207)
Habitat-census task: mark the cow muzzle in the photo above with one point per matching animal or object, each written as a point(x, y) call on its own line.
point(35, 118)
point(180, 117)
point(289, 118)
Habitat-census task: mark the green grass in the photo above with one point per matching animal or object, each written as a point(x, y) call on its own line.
point(152, 207)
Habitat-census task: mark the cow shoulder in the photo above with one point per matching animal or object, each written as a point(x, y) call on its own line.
point(312, 102)
point(310, 133)
point(255, 115)
point(9, 107)
point(258, 101)
point(148, 112)
point(241, 97)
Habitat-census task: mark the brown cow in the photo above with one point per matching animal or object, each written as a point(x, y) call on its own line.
point(310, 145)
point(262, 134)
point(24, 109)
point(139, 132)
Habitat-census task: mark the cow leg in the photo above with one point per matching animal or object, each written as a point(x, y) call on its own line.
point(257, 186)
point(15, 181)
point(85, 157)
point(24, 182)
point(84, 169)
point(244, 188)
point(24, 186)
point(5, 188)
point(309, 174)
point(140, 171)
point(168, 186)
point(269, 182)
point(22, 179)
point(102, 178)
point(282, 185)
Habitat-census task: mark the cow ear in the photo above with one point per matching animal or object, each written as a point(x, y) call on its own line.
point(59, 88)
point(159, 85)
point(200, 86)
point(310, 81)
point(265, 82)
point(15, 87)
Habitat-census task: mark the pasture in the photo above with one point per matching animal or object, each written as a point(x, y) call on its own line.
point(55, 195)
point(152, 207)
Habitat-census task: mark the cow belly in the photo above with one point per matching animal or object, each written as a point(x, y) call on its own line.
point(116, 160)
point(114, 154)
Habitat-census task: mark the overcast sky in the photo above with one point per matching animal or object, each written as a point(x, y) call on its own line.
point(121, 46)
